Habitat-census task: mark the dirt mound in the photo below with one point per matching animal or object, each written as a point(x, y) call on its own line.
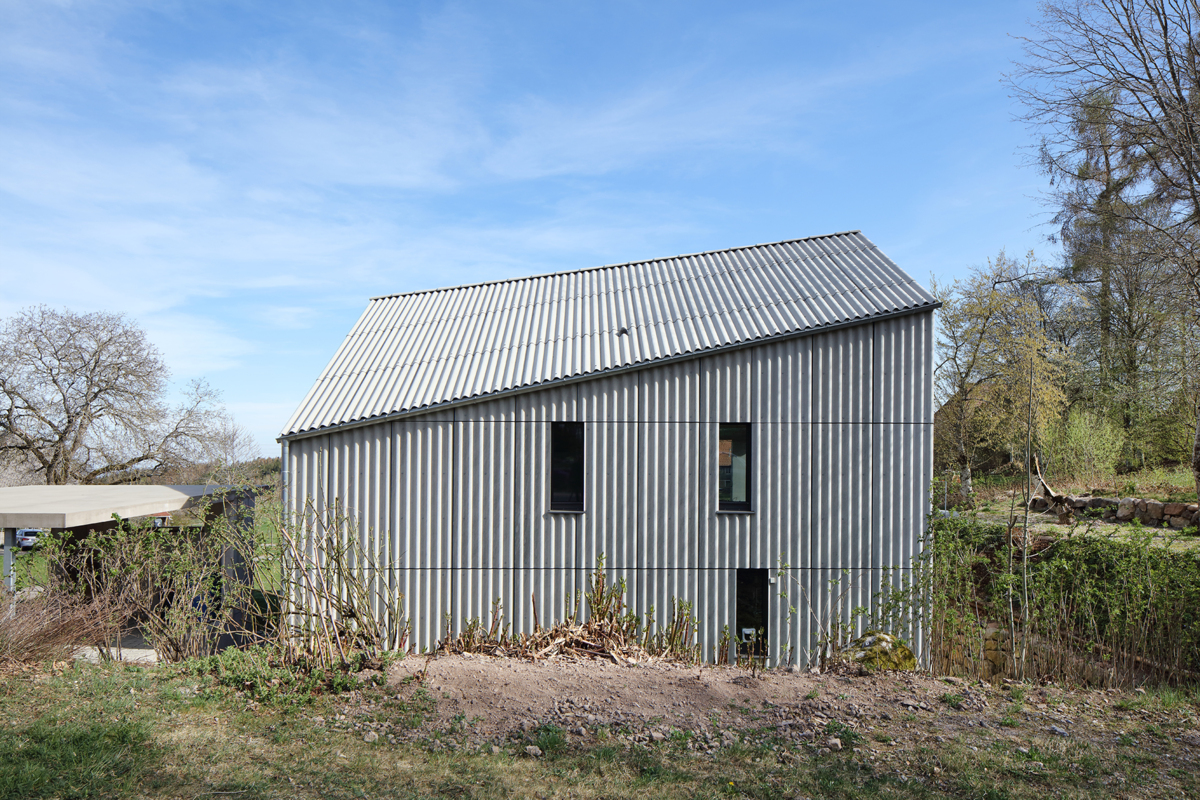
point(478, 703)
point(496, 695)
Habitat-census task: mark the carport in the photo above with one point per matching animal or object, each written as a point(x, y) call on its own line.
point(85, 507)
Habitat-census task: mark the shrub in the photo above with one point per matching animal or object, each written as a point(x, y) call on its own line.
point(1084, 445)
point(1084, 608)
point(50, 625)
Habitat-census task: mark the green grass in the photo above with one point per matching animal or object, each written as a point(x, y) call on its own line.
point(955, 701)
point(30, 569)
point(74, 758)
point(114, 731)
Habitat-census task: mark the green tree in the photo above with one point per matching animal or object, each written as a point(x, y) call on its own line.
point(998, 365)
point(1129, 70)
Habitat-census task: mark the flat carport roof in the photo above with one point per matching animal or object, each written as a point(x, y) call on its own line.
point(73, 506)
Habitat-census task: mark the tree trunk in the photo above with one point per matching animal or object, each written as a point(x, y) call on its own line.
point(1196, 454)
point(965, 488)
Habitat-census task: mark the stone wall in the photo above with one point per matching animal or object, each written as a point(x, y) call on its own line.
point(991, 658)
point(1152, 513)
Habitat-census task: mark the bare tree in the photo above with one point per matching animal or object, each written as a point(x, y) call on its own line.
point(232, 455)
point(82, 400)
point(1114, 88)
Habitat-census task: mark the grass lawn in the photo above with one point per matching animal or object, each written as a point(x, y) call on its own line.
point(88, 730)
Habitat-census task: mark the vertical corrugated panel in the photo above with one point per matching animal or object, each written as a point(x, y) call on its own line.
point(726, 396)
point(785, 623)
point(426, 494)
point(665, 530)
point(783, 462)
point(841, 493)
point(485, 529)
point(609, 527)
point(714, 608)
point(904, 406)
point(544, 555)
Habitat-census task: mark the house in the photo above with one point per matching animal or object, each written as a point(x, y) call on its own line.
point(736, 428)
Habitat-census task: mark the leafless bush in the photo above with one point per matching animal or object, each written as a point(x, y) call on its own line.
point(610, 630)
point(304, 587)
point(51, 626)
point(340, 599)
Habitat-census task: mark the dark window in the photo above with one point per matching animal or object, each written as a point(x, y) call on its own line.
point(753, 601)
point(566, 466)
point(733, 467)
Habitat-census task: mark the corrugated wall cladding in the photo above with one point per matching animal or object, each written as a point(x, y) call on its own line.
point(419, 350)
point(451, 507)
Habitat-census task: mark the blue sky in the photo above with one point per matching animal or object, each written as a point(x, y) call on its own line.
point(240, 177)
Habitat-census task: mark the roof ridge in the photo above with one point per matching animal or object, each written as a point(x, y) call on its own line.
point(612, 266)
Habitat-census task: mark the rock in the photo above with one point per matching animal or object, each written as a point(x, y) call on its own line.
point(1155, 509)
point(495, 750)
point(1178, 522)
point(879, 650)
point(657, 736)
point(1173, 509)
point(581, 731)
point(533, 750)
point(1077, 502)
point(1125, 509)
point(1102, 502)
point(1038, 504)
point(29, 593)
point(370, 736)
point(1057, 731)
point(1191, 738)
point(833, 743)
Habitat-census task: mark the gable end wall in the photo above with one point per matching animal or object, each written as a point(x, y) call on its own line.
point(450, 506)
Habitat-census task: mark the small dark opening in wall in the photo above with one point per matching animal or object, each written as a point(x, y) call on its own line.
point(753, 602)
point(566, 466)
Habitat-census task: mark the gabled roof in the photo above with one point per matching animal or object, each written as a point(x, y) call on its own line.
point(419, 350)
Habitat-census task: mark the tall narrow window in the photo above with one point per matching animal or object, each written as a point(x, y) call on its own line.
point(566, 466)
point(733, 467)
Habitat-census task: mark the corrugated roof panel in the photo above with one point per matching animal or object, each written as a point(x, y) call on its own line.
point(418, 350)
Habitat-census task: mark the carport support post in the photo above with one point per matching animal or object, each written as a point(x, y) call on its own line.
point(10, 552)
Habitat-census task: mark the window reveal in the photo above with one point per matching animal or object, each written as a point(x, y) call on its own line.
point(566, 466)
point(733, 467)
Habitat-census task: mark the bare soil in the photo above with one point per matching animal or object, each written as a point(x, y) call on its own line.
point(902, 721)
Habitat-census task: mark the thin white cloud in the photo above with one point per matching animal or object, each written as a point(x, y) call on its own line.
point(287, 317)
point(194, 346)
point(242, 201)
